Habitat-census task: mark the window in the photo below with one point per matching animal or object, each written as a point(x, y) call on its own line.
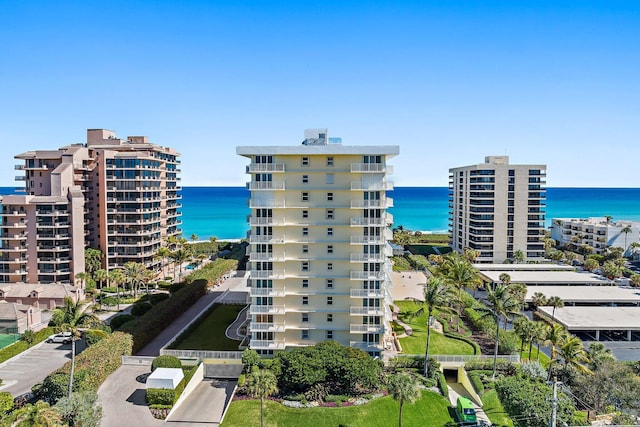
point(330, 178)
point(329, 300)
point(305, 317)
point(304, 335)
point(305, 283)
point(305, 196)
point(305, 161)
point(305, 214)
point(329, 161)
point(305, 179)
point(305, 231)
point(329, 317)
point(305, 300)
point(330, 266)
point(330, 249)
point(305, 249)
point(331, 213)
point(330, 197)
point(305, 265)
point(330, 231)
point(329, 335)
point(330, 283)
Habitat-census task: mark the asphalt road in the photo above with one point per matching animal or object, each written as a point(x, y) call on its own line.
point(27, 369)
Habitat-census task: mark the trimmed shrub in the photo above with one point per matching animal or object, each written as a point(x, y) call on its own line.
point(139, 309)
point(20, 346)
point(442, 385)
point(472, 343)
point(156, 298)
point(120, 320)
point(6, 401)
point(160, 396)
point(176, 287)
point(476, 381)
point(92, 337)
point(502, 366)
point(145, 328)
point(165, 362)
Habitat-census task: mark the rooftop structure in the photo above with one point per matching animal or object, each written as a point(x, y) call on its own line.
point(588, 295)
point(547, 277)
point(318, 244)
point(498, 209)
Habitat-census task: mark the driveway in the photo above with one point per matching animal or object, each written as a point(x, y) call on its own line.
point(30, 367)
point(122, 397)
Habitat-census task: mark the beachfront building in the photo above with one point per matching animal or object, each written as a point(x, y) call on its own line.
point(498, 209)
point(598, 233)
point(120, 196)
point(319, 244)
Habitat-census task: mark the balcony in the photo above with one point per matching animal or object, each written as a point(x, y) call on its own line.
point(266, 327)
point(367, 275)
point(266, 292)
point(368, 240)
point(368, 258)
point(265, 167)
point(266, 309)
point(14, 213)
point(266, 274)
point(375, 186)
point(21, 178)
point(367, 293)
point(386, 202)
point(267, 239)
point(266, 344)
point(365, 222)
point(254, 203)
point(262, 256)
point(367, 346)
point(263, 221)
point(371, 168)
point(366, 329)
point(265, 185)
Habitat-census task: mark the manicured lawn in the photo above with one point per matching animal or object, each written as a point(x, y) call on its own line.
point(209, 333)
point(544, 359)
point(430, 410)
point(494, 410)
point(416, 343)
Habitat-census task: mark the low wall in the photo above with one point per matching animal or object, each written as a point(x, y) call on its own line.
point(196, 379)
point(137, 360)
point(463, 379)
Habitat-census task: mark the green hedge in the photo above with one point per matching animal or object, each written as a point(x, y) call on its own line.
point(165, 362)
point(20, 346)
point(120, 320)
point(474, 377)
point(472, 343)
point(145, 328)
point(442, 385)
point(160, 396)
point(213, 271)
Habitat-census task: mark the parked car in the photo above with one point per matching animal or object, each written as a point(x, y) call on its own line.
point(62, 337)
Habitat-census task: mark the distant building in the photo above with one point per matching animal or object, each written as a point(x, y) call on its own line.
point(498, 209)
point(121, 196)
point(318, 244)
point(16, 318)
point(597, 232)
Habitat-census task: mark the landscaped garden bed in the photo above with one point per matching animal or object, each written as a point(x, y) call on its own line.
point(208, 333)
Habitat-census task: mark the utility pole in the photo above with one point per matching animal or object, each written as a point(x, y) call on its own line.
point(554, 402)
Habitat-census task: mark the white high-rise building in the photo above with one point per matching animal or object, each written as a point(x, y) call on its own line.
point(498, 209)
point(319, 244)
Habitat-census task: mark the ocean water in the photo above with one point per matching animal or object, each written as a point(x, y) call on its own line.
point(222, 211)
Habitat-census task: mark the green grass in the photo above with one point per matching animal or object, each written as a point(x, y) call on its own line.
point(431, 410)
point(544, 359)
point(494, 410)
point(416, 343)
point(400, 264)
point(209, 333)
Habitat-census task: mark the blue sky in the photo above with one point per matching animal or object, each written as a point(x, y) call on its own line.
point(555, 82)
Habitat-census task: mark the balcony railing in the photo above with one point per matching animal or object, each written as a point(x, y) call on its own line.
point(367, 240)
point(374, 186)
point(367, 293)
point(366, 311)
point(255, 203)
point(383, 203)
point(367, 275)
point(267, 239)
point(368, 258)
point(266, 292)
point(366, 346)
point(364, 222)
point(261, 256)
point(267, 344)
point(365, 329)
point(371, 168)
point(266, 274)
point(265, 167)
point(266, 327)
point(266, 309)
point(265, 185)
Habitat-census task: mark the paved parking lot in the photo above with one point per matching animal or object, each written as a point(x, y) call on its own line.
point(27, 369)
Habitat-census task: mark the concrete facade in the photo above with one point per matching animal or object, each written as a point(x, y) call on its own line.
point(597, 232)
point(498, 209)
point(318, 244)
point(118, 195)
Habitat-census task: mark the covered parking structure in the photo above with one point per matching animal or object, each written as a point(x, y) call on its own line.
point(523, 267)
point(612, 296)
point(546, 277)
point(598, 323)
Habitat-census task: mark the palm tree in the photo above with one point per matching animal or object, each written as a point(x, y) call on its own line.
point(179, 257)
point(598, 355)
point(437, 296)
point(626, 230)
point(460, 273)
point(518, 257)
point(539, 336)
point(73, 317)
point(263, 384)
point(505, 278)
point(554, 336)
point(608, 218)
point(539, 299)
point(135, 273)
point(163, 253)
point(403, 388)
point(500, 304)
point(471, 254)
point(635, 280)
point(525, 330)
point(573, 354)
point(117, 277)
point(591, 264)
point(555, 302)
point(82, 277)
point(194, 238)
point(100, 276)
